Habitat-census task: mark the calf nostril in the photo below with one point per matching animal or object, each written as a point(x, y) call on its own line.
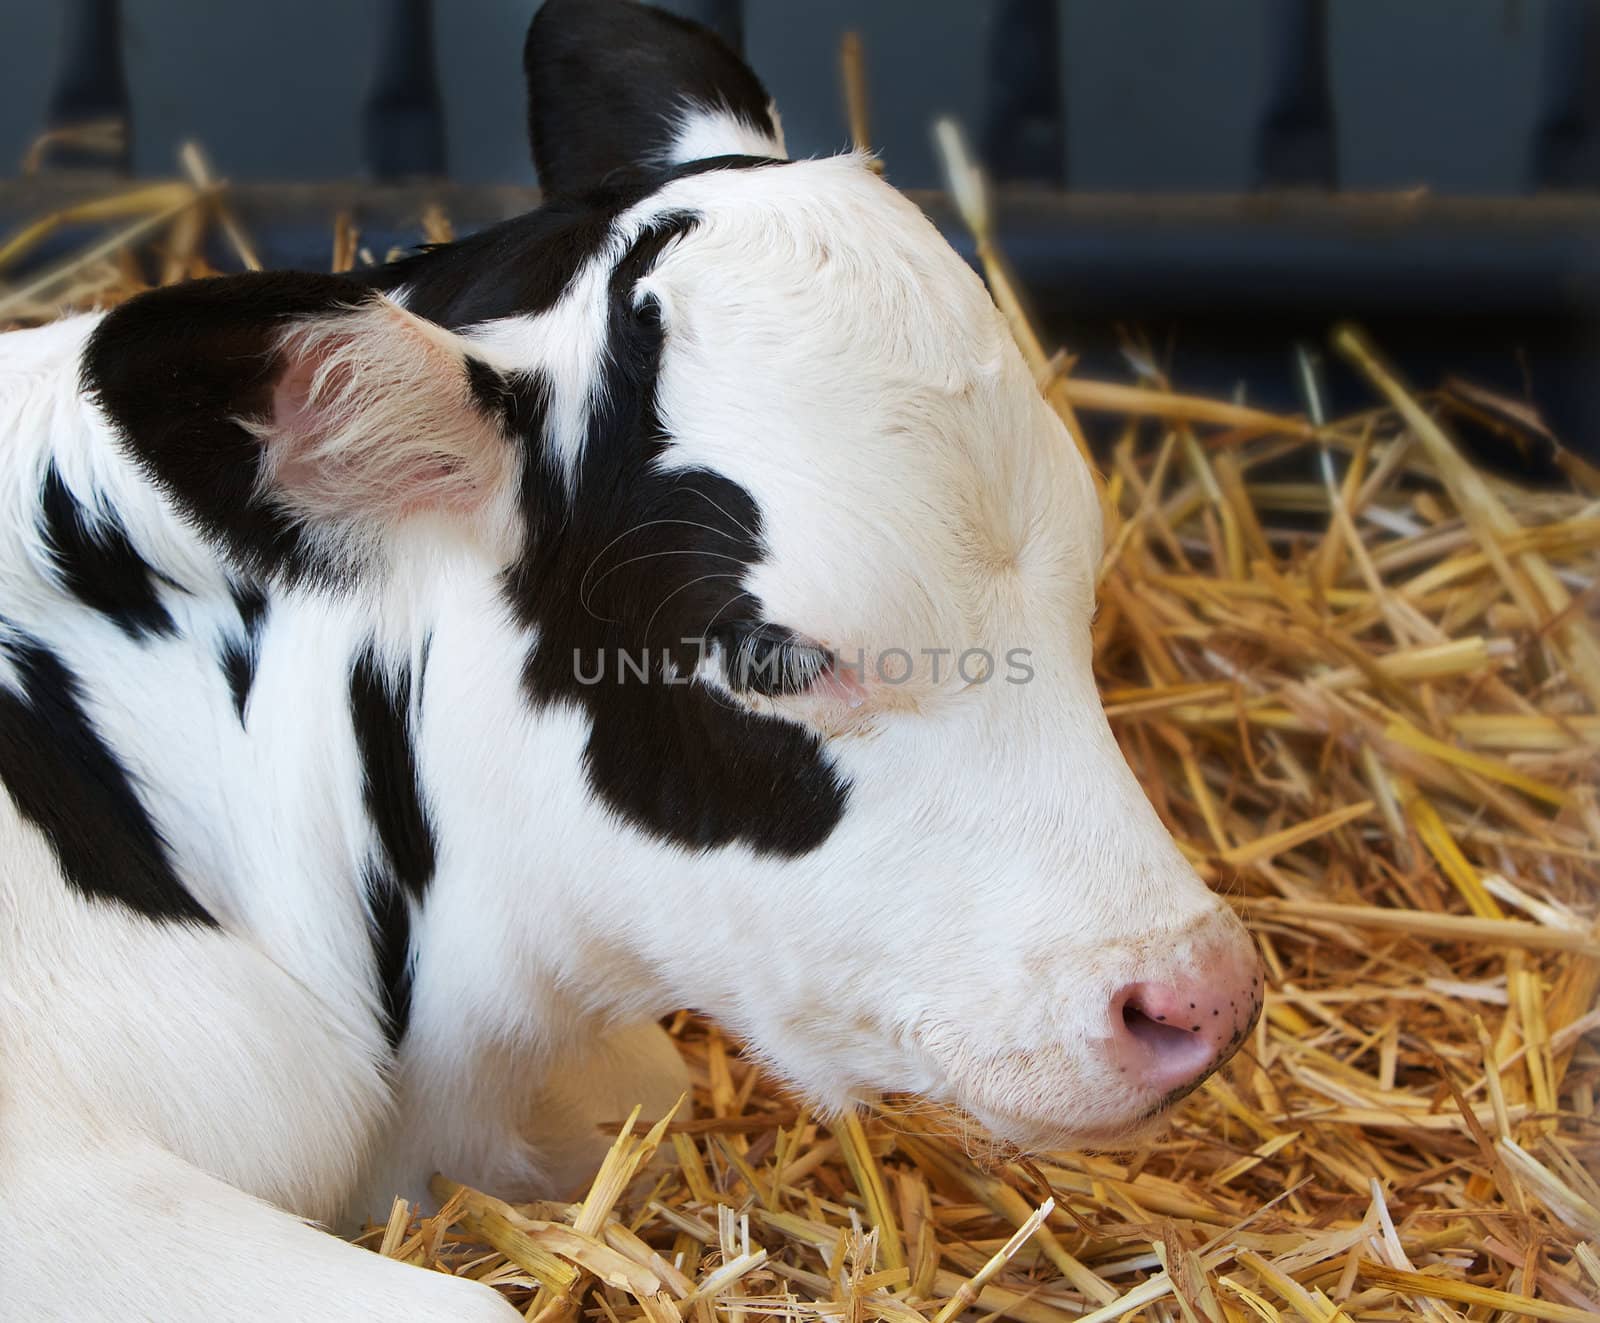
point(1152, 1031)
point(1162, 1039)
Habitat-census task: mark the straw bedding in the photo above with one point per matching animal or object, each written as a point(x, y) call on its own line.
point(1360, 680)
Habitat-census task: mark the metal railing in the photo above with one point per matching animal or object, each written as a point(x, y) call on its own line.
point(1445, 280)
point(1023, 133)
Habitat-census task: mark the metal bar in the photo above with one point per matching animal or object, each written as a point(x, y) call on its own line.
point(1284, 253)
point(404, 116)
point(1296, 144)
point(1114, 252)
point(1024, 119)
point(1502, 291)
point(88, 114)
point(1566, 148)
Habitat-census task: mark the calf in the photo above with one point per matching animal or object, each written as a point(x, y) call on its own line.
point(413, 680)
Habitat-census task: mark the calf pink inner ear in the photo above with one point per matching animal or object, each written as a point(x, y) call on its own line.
point(373, 418)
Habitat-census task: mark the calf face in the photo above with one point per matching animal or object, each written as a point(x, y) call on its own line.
point(785, 535)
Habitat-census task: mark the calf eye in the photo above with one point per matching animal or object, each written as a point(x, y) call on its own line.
point(771, 660)
point(647, 312)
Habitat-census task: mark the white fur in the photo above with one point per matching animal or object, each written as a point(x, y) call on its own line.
point(568, 345)
point(705, 131)
point(997, 875)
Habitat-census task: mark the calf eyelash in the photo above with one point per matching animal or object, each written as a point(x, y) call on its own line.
point(771, 660)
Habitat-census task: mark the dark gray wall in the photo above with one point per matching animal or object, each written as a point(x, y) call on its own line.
point(268, 89)
point(1437, 93)
point(1160, 94)
point(29, 38)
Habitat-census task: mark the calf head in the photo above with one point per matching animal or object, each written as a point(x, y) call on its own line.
point(784, 529)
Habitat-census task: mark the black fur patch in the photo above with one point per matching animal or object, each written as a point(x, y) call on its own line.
point(98, 564)
point(643, 565)
point(380, 712)
point(67, 783)
point(523, 266)
point(392, 792)
point(241, 651)
point(607, 79)
point(389, 927)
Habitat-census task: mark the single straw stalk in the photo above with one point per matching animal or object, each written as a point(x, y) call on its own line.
point(970, 1290)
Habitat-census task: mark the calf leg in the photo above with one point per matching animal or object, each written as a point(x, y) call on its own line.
point(190, 1037)
point(93, 1230)
point(599, 1082)
point(160, 1083)
point(517, 1122)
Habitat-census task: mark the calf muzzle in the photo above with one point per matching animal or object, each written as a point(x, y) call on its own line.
point(1167, 1036)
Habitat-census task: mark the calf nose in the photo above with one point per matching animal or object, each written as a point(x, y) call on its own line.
point(1168, 1036)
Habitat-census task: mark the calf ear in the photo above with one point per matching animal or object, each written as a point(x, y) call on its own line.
point(613, 84)
point(303, 420)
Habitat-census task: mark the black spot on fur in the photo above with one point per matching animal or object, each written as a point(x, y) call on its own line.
point(392, 791)
point(380, 711)
point(98, 564)
point(252, 604)
point(523, 266)
point(650, 565)
point(389, 927)
point(67, 783)
point(241, 651)
point(519, 267)
point(608, 79)
point(488, 387)
point(516, 400)
point(239, 669)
